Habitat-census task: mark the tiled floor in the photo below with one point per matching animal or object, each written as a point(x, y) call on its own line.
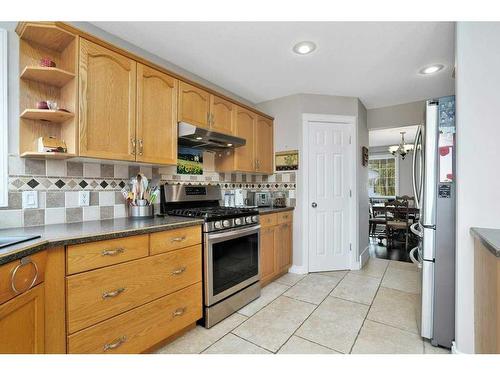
point(372, 310)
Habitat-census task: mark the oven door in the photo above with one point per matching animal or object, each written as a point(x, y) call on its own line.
point(231, 262)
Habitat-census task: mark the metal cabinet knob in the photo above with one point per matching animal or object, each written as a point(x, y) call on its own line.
point(314, 205)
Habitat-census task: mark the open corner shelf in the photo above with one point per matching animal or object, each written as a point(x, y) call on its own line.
point(46, 115)
point(47, 155)
point(46, 34)
point(50, 76)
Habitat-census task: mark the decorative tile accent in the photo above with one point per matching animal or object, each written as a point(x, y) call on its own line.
point(60, 184)
point(83, 184)
point(32, 183)
point(103, 184)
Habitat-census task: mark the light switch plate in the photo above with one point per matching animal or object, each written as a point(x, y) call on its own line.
point(30, 199)
point(83, 198)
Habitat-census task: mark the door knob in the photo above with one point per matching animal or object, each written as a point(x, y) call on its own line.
point(314, 205)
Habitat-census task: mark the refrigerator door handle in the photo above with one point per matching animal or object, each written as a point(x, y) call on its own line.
point(414, 167)
point(412, 257)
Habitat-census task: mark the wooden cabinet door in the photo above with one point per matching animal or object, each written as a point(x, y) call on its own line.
point(284, 247)
point(222, 115)
point(156, 116)
point(194, 105)
point(107, 89)
point(264, 145)
point(245, 128)
point(22, 327)
point(267, 254)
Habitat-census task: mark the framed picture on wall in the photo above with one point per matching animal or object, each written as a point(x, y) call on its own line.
point(287, 160)
point(189, 160)
point(364, 156)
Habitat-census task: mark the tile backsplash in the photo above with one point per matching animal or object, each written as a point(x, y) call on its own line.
point(58, 182)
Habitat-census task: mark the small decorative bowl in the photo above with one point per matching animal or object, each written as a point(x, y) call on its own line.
point(47, 62)
point(42, 105)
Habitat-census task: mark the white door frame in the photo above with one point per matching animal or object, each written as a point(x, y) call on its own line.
point(304, 183)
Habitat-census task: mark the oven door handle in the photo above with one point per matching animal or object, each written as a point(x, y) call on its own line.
point(233, 233)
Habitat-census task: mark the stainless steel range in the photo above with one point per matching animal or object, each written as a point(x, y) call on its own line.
point(231, 248)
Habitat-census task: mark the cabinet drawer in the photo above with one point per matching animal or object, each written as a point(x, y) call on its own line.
point(162, 242)
point(26, 274)
point(98, 254)
point(268, 220)
point(285, 217)
point(137, 330)
point(100, 294)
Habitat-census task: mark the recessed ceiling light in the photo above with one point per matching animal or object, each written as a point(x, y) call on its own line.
point(229, 144)
point(199, 138)
point(303, 48)
point(431, 69)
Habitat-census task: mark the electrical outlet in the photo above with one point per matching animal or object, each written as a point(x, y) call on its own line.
point(83, 198)
point(30, 199)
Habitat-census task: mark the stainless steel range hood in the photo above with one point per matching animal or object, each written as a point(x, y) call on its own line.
point(192, 136)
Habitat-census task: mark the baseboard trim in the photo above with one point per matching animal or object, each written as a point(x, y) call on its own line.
point(364, 256)
point(301, 270)
point(454, 349)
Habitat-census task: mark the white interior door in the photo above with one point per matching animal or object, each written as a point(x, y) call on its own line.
point(330, 172)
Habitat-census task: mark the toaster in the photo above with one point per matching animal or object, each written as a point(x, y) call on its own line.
point(259, 198)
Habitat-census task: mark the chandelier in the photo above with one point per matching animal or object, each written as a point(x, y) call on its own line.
point(401, 149)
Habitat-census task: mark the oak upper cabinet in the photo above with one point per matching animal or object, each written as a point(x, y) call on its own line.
point(22, 327)
point(244, 157)
point(264, 153)
point(156, 116)
point(222, 115)
point(107, 95)
point(194, 105)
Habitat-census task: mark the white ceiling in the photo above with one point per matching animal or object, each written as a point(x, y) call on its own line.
point(375, 61)
point(388, 137)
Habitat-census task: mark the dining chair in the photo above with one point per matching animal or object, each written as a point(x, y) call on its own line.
point(397, 221)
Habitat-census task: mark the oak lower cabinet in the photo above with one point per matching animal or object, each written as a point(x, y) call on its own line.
point(22, 323)
point(22, 306)
point(107, 95)
point(276, 245)
point(127, 295)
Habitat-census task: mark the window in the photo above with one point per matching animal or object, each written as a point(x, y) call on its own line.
point(3, 119)
point(382, 176)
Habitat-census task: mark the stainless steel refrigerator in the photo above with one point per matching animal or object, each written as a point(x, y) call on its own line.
point(434, 189)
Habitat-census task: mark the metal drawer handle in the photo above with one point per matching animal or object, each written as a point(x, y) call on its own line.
point(178, 239)
point(113, 293)
point(178, 271)
point(113, 252)
point(23, 262)
point(179, 312)
point(114, 344)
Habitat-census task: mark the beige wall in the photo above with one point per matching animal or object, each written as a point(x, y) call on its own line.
point(287, 112)
point(397, 115)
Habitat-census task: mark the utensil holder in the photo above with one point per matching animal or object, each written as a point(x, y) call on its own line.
point(141, 212)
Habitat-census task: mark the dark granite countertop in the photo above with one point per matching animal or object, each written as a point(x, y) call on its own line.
point(272, 210)
point(75, 233)
point(489, 237)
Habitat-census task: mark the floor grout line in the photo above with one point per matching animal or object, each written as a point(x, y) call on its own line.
point(312, 312)
point(368, 312)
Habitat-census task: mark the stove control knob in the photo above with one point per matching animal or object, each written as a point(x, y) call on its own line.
point(238, 221)
point(226, 223)
point(248, 219)
point(255, 218)
point(218, 225)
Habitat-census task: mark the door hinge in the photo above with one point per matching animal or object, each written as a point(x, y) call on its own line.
point(350, 247)
point(350, 193)
point(350, 140)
